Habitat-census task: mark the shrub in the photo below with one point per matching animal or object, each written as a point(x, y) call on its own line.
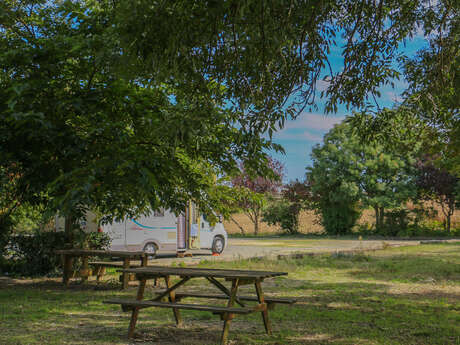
point(33, 254)
point(280, 213)
point(339, 219)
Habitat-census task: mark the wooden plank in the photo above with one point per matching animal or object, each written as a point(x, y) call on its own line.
point(94, 252)
point(68, 264)
point(261, 298)
point(222, 288)
point(282, 300)
point(159, 271)
point(210, 308)
point(170, 288)
point(135, 313)
point(229, 316)
point(172, 296)
point(125, 275)
point(112, 264)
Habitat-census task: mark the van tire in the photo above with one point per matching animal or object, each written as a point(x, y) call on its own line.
point(151, 250)
point(218, 245)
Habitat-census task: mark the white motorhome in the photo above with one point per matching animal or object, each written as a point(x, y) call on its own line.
point(160, 231)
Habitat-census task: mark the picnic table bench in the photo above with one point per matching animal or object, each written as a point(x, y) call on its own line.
point(169, 298)
point(68, 256)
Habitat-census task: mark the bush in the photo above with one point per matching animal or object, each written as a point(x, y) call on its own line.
point(33, 254)
point(281, 213)
point(339, 219)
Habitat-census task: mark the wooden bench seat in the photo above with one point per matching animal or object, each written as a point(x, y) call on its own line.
point(145, 304)
point(112, 264)
point(267, 299)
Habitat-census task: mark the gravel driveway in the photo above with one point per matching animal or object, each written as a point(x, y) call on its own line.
point(272, 247)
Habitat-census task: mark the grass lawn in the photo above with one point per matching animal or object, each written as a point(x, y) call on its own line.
point(408, 295)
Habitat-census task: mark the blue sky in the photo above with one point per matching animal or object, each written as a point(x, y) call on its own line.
point(299, 136)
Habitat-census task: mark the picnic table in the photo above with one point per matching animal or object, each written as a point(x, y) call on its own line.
point(68, 256)
point(169, 298)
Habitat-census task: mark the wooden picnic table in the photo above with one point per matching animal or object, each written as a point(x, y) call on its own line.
point(69, 254)
point(227, 313)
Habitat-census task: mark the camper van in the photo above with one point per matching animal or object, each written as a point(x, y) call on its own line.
point(160, 231)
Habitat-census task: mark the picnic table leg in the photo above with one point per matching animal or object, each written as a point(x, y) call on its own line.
point(172, 299)
point(68, 263)
point(144, 261)
point(260, 297)
point(125, 276)
point(85, 269)
point(227, 316)
point(135, 312)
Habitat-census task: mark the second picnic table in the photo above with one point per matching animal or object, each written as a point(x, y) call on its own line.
point(69, 254)
point(236, 277)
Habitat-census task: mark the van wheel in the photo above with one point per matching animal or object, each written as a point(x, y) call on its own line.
point(151, 250)
point(218, 245)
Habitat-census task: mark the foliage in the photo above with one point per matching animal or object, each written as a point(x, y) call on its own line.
point(433, 95)
point(94, 139)
point(349, 174)
point(33, 254)
point(285, 212)
point(438, 184)
point(125, 106)
point(252, 191)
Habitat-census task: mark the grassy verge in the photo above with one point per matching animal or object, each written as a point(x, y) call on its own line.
point(407, 295)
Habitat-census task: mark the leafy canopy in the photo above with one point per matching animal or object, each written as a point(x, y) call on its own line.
point(127, 105)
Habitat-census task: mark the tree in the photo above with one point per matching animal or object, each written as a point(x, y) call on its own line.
point(437, 184)
point(347, 174)
point(433, 94)
point(286, 212)
point(90, 138)
point(253, 190)
point(131, 105)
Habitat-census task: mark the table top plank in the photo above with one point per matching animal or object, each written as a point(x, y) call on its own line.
point(154, 271)
point(97, 252)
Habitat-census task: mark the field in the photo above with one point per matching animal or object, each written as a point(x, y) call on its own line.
point(309, 223)
point(407, 295)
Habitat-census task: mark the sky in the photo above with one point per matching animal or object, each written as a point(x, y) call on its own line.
point(299, 136)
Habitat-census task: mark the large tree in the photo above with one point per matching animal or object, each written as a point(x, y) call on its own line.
point(133, 104)
point(347, 175)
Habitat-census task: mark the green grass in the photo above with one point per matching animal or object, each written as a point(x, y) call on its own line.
point(408, 295)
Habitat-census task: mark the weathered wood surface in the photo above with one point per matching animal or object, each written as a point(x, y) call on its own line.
point(113, 264)
point(158, 271)
point(97, 252)
point(210, 308)
point(268, 299)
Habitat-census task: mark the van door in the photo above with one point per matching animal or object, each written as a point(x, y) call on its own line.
point(206, 233)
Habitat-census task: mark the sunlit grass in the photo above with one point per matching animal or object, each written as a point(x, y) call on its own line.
point(408, 295)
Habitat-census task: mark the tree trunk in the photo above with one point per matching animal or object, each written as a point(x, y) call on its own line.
point(68, 229)
point(377, 219)
point(256, 224)
point(238, 225)
point(382, 216)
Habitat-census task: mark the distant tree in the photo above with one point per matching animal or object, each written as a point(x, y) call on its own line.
point(253, 191)
point(285, 212)
point(439, 185)
point(348, 174)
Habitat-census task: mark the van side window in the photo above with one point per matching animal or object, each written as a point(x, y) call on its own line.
point(159, 213)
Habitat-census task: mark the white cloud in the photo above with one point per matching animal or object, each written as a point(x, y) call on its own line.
point(393, 96)
point(299, 136)
point(314, 121)
point(322, 85)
